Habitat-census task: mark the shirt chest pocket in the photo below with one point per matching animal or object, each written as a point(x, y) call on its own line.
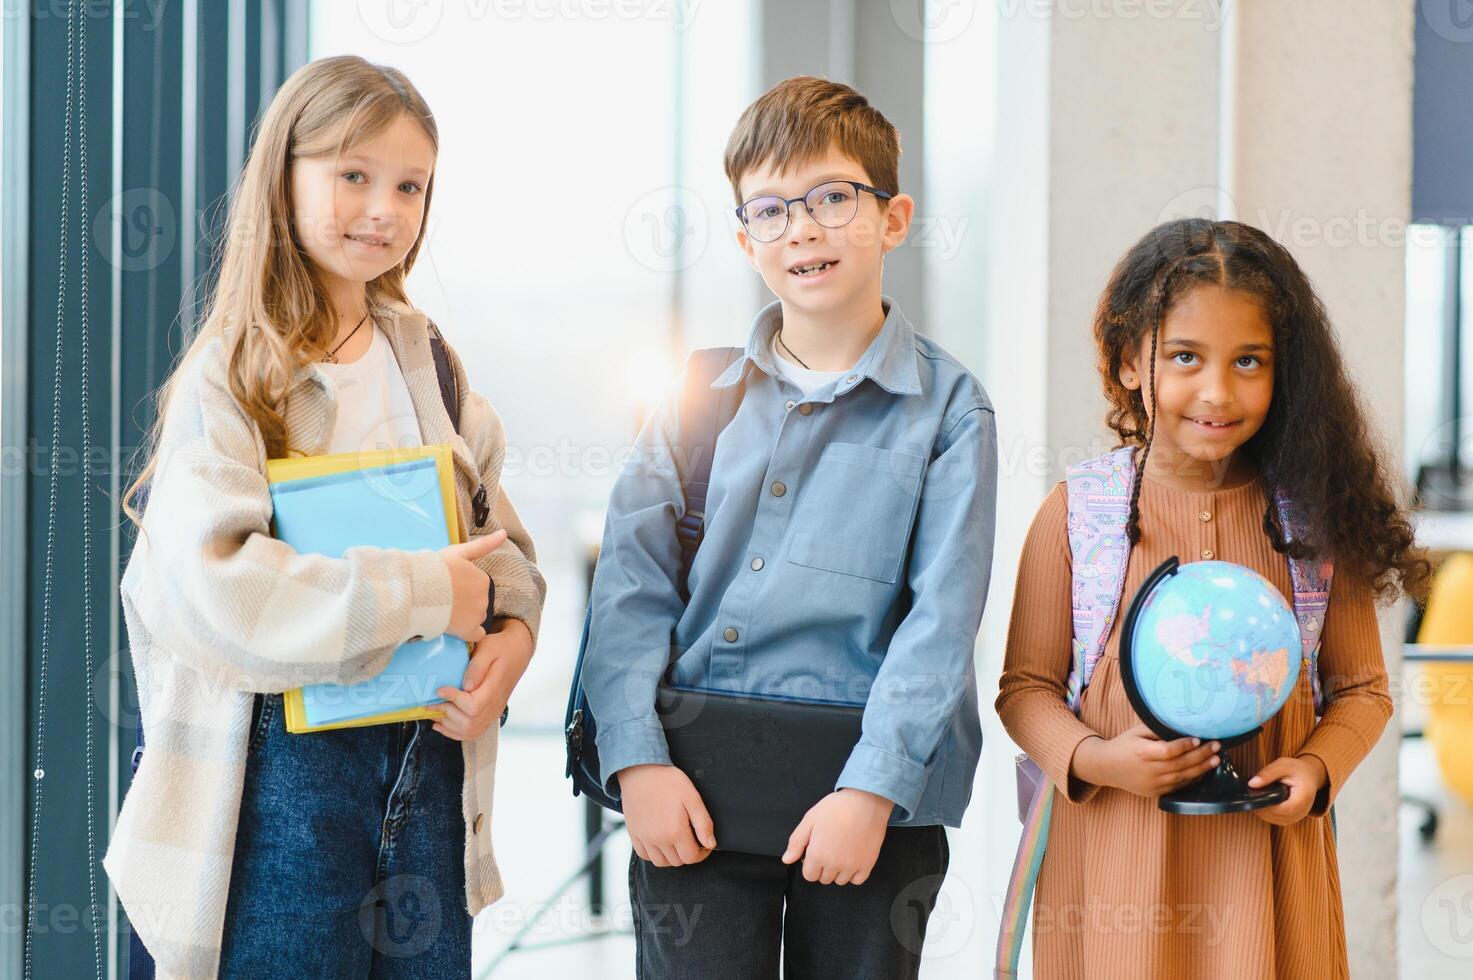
point(854, 517)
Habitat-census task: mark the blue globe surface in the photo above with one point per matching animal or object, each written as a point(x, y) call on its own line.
point(1215, 650)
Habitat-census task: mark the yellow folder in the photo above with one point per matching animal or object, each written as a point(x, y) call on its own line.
point(303, 467)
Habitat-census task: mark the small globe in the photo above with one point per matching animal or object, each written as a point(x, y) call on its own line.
point(1214, 651)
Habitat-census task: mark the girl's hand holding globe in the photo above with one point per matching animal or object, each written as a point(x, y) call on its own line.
point(1139, 762)
point(1305, 775)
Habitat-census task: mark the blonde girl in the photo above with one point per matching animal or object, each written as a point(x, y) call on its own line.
point(241, 850)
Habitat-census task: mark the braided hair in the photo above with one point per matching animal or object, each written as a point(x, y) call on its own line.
point(1315, 444)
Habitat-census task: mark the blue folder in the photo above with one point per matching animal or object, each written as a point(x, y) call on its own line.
point(402, 506)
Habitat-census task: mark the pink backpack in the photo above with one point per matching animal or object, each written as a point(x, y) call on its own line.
point(1099, 508)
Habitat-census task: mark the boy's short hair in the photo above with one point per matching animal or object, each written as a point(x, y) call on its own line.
point(801, 118)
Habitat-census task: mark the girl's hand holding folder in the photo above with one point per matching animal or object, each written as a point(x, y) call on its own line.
point(498, 663)
point(470, 585)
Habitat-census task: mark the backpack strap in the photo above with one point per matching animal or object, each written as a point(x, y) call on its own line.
point(1018, 900)
point(449, 391)
point(704, 413)
point(1312, 578)
point(450, 395)
point(1099, 509)
point(480, 504)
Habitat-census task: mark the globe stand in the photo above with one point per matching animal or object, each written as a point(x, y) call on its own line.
point(1223, 790)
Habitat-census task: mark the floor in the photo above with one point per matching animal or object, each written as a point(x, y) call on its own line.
point(1436, 923)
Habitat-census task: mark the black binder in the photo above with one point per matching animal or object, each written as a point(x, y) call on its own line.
point(759, 763)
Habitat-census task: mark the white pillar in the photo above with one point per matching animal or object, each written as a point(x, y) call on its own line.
point(1109, 119)
point(1327, 171)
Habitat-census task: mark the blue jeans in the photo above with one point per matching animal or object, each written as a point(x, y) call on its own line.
point(348, 854)
point(737, 916)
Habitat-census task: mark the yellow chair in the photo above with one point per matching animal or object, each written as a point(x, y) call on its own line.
point(1448, 620)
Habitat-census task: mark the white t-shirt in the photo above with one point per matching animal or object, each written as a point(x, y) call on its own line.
point(374, 407)
point(807, 381)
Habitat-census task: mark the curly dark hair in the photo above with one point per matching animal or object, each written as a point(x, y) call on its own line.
point(1315, 445)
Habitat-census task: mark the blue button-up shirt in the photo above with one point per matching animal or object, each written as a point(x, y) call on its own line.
point(846, 558)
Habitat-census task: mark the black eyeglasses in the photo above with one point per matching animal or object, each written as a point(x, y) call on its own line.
point(833, 204)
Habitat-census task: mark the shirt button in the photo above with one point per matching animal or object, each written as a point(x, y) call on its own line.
point(789, 404)
point(778, 489)
point(730, 635)
point(805, 409)
point(757, 564)
point(476, 827)
point(1207, 554)
point(851, 379)
point(1205, 516)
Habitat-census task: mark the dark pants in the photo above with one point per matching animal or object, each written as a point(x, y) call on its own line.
point(734, 915)
point(348, 855)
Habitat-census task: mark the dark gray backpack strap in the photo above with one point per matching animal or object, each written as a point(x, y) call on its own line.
point(703, 414)
point(448, 389)
point(450, 394)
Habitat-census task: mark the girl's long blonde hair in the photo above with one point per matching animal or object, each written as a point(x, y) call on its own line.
point(267, 305)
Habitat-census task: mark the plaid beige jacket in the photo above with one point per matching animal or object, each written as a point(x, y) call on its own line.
point(216, 610)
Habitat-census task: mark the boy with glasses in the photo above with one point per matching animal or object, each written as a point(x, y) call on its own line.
point(846, 558)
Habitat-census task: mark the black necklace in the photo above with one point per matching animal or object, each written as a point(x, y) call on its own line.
point(332, 355)
point(790, 350)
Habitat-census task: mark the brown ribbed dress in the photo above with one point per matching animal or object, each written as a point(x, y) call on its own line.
point(1127, 890)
